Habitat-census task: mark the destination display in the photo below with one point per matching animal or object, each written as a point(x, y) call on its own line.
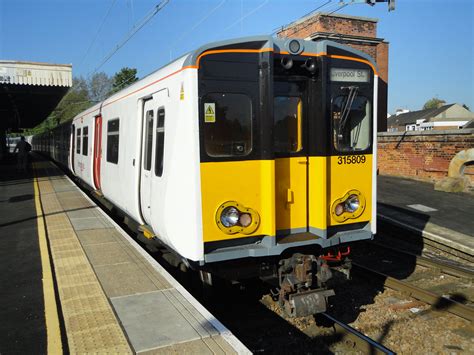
point(353, 75)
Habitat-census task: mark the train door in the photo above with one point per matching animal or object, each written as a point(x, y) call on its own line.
point(147, 152)
point(291, 156)
point(97, 150)
point(72, 151)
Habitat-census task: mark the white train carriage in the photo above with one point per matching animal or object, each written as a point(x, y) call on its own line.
point(241, 155)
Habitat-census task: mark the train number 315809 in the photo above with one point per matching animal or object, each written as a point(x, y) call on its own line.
point(351, 159)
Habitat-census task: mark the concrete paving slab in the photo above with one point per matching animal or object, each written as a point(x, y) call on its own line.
point(63, 186)
point(106, 254)
point(190, 313)
point(123, 279)
point(151, 321)
point(88, 218)
point(201, 346)
point(98, 236)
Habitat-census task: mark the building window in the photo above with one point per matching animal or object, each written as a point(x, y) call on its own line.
point(85, 140)
point(78, 141)
point(113, 140)
point(160, 142)
point(227, 124)
point(148, 140)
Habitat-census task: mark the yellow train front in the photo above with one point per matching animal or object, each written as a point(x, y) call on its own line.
point(287, 148)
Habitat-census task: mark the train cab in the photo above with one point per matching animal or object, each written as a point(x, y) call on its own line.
point(286, 146)
point(287, 149)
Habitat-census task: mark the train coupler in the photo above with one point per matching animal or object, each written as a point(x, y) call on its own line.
point(302, 281)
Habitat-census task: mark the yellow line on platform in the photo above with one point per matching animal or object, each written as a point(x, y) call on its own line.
point(50, 307)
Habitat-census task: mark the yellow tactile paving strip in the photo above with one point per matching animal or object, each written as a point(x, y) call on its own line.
point(90, 322)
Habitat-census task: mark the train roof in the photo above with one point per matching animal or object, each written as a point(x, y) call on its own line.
point(191, 59)
point(274, 44)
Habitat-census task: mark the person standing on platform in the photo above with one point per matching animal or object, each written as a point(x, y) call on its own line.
point(23, 148)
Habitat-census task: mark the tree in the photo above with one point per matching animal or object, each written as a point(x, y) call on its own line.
point(99, 86)
point(123, 78)
point(466, 107)
point(433, 103)
point(75, 101)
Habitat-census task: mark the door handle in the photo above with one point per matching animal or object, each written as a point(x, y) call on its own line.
point(290, 196)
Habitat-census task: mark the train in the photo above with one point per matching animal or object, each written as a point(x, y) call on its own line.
point(250, 157)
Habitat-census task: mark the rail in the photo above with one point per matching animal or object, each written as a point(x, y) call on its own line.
point(360, 341)
point(439, 303)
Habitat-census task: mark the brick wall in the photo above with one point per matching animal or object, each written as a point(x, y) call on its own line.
point(330, 23)
point(422, 155)
point(349, 30)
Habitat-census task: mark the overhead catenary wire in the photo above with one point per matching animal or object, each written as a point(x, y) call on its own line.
point(320, 7)
point(130, 34)
point(339, 8)
point(99, 29)
point(246, 15)
point(208, 14)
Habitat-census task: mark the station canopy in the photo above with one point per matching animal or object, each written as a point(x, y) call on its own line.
point(30, 91)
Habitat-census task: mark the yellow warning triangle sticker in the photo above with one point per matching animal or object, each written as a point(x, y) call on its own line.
point(209, 110)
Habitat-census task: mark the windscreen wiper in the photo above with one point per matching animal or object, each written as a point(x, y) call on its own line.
point(347, 106)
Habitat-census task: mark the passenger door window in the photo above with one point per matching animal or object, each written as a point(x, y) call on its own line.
point(78, 141)
point(288, 114)
point(160, 142)
point(149, 120)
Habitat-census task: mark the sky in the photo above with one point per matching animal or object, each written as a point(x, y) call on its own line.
point(431, 51)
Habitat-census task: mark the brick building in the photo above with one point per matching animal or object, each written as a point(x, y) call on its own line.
point(357, 32)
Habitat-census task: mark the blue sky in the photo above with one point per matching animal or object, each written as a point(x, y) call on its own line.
point(431, 41)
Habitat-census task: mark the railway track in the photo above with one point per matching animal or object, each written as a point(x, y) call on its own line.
point(359, 341)
point(457, 303)
point(451, 269)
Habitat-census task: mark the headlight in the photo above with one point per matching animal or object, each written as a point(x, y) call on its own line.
point(352, 204)
point(245, 219)
point(230, 217)
point(349, 206)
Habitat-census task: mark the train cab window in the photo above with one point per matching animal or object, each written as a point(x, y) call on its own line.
point(78, 141)
point(351, 115)
point(148, 140)
point(85, 140)
point(113, 140)
point(288, 113)
point(160, 142)
point(227, 124)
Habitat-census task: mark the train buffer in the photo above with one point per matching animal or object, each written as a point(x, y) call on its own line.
point(73, 281)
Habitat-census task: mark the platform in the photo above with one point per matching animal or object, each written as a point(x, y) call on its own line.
point(443, 217)
point(103, 294)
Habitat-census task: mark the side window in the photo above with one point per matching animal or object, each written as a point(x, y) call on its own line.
point(78, 141)
point(160, 142)
point(113, 140)
point(85, 140)
point(227, 124)
point(148, 140)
